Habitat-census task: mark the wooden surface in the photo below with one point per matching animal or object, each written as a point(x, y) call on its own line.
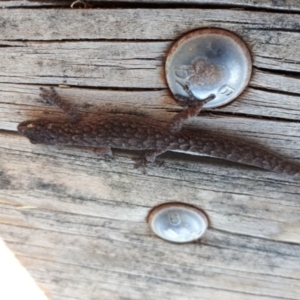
point(78, 223)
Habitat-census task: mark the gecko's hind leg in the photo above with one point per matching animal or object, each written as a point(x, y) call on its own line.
point(50, 96)
point(193, 105)
point(147, 158)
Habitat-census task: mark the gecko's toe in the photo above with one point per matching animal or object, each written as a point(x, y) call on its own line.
point(108, 158)
point(141, 163)
point(160, 163)
point(47, 95)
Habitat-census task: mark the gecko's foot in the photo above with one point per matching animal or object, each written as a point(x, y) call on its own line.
point(160, 163)
point(106, 157)
point(141, 163)
point(103, 153)
point(186, 101)
point(148, 158)
point(192, 111)
point(191, 100)
point(48, 96)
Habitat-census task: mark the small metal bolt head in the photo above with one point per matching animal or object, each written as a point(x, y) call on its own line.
point(178, 222)
point(209, 61)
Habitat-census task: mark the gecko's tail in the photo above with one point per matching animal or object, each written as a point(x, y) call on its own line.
point(258, 157)
point(238, 151)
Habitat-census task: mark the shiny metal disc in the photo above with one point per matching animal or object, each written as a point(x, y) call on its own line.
point(178, 222)
point(210, 61)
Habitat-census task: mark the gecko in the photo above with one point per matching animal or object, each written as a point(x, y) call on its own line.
point(132, 132)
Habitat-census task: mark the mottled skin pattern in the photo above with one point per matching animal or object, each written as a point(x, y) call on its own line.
point(139, 133)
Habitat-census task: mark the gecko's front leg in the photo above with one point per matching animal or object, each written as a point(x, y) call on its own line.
point(193, 105)
point(50, 96)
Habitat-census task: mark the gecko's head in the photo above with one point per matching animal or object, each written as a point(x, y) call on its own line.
point(35, 131)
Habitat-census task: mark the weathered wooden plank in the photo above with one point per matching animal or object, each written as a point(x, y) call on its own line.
point(287, 83)
point(21, 102)
point(32, 3)
point(78, 223)
point(82, 225)
point(140, 24)
point(125, 66)
point(129, 64)
point(85, 64)
point(197, 180)
point(271, 49)
point(290, 5)
point(200, 276)
point(95, 229)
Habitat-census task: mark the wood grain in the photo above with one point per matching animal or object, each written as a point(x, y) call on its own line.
point(77, 223)
point(91, 220)
point(288, 5)
point(144, 24)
